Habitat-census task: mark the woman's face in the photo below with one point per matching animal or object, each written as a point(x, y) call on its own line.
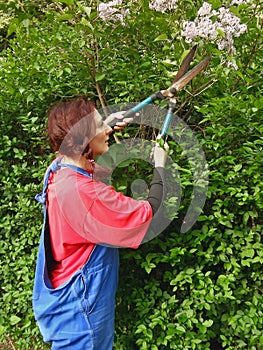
point(100, 142)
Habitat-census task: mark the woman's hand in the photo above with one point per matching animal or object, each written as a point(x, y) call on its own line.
point(160, 154)
point(117, 122)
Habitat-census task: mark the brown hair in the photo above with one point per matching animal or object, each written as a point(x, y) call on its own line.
point(71, 126)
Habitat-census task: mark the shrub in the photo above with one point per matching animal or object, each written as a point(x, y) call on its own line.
point(199, 289)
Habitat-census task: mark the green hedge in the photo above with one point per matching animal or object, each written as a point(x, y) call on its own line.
point(196, 290)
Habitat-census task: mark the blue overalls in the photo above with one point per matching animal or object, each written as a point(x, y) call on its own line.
point(79, 314)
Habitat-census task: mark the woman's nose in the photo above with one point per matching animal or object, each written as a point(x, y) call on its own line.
point(109, 130)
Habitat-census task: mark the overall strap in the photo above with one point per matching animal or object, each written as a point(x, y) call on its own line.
point(41, 198)
point(54, 166)
point(77, 169)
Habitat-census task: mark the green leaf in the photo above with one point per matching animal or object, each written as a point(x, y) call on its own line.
point(208, 323)
point(68, 2)
point(30, 98)
point(2, 330)
point(237, 167)
point(14, 320)
point(87, 10)
point(161, 37)
point(248, 253)
point(65, 17)
point(26, 22)
point(87, 23)
point(180, 329)
point(11, 29)
point(100, 76)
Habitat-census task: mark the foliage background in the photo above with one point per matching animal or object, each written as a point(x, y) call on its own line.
point(198, 290)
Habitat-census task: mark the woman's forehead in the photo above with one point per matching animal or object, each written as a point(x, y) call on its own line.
point(98, 117)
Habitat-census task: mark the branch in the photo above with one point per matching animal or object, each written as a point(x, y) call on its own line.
point(92, 72)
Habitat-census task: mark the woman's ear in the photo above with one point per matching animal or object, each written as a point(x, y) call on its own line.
point(77, 150)
point(88, 153)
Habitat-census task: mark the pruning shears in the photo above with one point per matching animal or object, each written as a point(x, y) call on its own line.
point(182, 78)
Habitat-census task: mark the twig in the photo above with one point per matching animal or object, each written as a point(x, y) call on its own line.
point(10, 343)
point(204, 87)
point(92, 72)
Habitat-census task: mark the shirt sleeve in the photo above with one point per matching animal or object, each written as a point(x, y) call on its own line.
point(156, 193)
point(116, 220)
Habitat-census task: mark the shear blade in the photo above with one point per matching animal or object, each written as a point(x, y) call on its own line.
point(180, 84)
point(186, 63)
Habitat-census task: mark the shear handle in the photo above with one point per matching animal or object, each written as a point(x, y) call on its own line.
point(131, 112)
point(168, 117)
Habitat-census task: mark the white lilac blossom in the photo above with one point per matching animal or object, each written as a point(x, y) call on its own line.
point(205, 10)
point(231, 64)
point(108, 11)
point(220, 26)
point(163, 5)
point(240, 2)
point(4, 19)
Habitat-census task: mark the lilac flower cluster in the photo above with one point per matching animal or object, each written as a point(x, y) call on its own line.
point(108, 11)
point(4, 19)
point(219, 25)
point(163, 5)
point(240, 2)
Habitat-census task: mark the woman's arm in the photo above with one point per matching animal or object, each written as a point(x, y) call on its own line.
point(156, 193)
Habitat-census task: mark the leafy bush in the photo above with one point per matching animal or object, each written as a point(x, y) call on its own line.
point(201, 289)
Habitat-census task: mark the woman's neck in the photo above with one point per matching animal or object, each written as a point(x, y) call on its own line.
point(80, 162)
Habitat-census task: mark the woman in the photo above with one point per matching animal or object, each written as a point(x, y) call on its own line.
point(85, 222)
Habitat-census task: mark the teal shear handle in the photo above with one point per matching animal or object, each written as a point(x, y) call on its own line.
point(156, 96)
point(168, 118)
point(131, 112)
